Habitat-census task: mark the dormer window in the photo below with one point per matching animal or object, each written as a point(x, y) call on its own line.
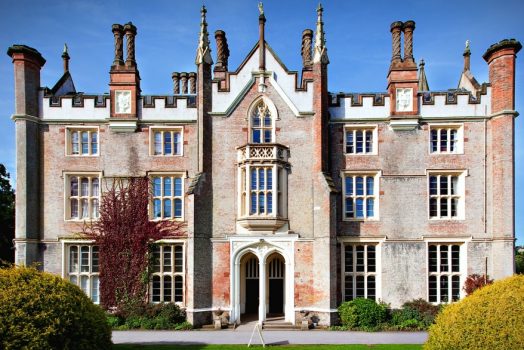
point(262, 124)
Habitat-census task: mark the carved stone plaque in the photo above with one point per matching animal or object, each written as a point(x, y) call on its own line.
point(404, 100)
point(123, 102)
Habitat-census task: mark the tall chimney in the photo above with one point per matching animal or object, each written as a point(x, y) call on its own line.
point(307, 42)
point(183, 83)
point(118, 31)
point(192, 82)
point(176, 83)
point(467, 54)
point(130, 31)
point(408, 29)
point(396, 28)
point(222, 51)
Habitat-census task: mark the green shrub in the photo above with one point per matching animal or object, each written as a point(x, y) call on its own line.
point(416, 314)
point(42, 311)
point(149, 316)
point(362, 313)
point(490, 318)
point(114, 321)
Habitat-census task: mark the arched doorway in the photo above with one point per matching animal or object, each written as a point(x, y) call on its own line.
point(251, 286)
point(276, 287)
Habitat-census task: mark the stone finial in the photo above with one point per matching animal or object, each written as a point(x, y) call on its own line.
point(118, 31)
point(467, 59)
point(320, 54)
point(176, 83)
point(65, 57)
point(203, 51)
point(130, 31)
point(192, 82)
point(307, 41)
point(422, 80)
point(183, 83)
point(408, 29)
point(222, 51)
point(261, 8)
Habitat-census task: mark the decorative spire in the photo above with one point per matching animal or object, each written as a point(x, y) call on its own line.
point(203, 50)
point(467, 54)
point(422, 80)
point(261, 38)
point(65, 57)
point(320, 54)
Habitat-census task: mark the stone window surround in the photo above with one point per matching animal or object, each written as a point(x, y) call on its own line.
point(462, 174)
point(460, 241)
point(173, 129)
point(364, 127)
point(66, 245)
point(376, 192)
point(460, 137)
point(274, 117)
point(173, 274)
point(180, 174)
point(68, 140)
point(67, 192)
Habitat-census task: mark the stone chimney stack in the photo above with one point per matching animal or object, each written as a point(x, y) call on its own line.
point(467, 57)
point(183, 83)
point(124, 81)
point(501, 59)
point(403, 79)
point(192, 82)
point(65, 57)
point(306, 51)
point(261, 39)
point(27, 64)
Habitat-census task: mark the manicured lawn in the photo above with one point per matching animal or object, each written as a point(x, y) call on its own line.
point(290, 347)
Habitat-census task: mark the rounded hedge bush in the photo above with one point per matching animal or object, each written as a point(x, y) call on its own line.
point(39, 310)
point(490, 318)
point(362, 313)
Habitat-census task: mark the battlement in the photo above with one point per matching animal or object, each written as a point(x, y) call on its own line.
point(82, 107)
point(451, 103)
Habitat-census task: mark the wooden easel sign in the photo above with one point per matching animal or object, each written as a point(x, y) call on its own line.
point(259, 331)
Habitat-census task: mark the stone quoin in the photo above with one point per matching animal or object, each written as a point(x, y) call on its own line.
point(294, 198)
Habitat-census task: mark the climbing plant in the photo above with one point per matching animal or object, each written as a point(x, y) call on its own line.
point(124, 233)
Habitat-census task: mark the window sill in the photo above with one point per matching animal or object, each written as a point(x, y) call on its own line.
point(81, 220)
point(360, 154)
point(435, 219)
point(82, 155)
point(262, 223)
point(166, 155)
point(167, 219)
point(361, 220)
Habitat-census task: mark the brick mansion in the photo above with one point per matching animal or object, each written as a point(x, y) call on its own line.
point(293, 198)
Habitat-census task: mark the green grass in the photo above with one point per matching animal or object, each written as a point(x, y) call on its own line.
point(290, 347)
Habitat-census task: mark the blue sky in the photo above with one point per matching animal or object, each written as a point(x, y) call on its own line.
point(357, 33)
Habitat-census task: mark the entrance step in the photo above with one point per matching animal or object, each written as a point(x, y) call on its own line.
point(279, 326)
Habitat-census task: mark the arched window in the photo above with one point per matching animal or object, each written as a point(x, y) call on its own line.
point(261, 124)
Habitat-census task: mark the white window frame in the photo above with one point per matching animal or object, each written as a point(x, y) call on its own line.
point(279, 191)
point(67, 194)
point(66, 264)
point(459, 145)
point(69, 140)
point(373, 128)
point(437, 241)
point(181, 175)
point(376, 194)
point(173, 274)
point(274, 117)
point(163, 130)
point(354, 241)
point(461, 207)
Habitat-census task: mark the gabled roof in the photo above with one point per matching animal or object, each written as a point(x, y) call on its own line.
point(64, 85)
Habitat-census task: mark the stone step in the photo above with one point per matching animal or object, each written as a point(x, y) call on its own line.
point(279, 326)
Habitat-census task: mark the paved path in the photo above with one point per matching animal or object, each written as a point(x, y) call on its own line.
point(242, 336)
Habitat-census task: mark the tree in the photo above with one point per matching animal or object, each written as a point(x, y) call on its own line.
point(7, 217)
point(124, 233)
point(519, 261)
